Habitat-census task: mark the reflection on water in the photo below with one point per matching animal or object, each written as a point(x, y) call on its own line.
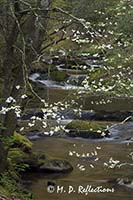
point(53, 91)
point(96, 163)
point(107, 103)
point(95, 176)
point(89, 102)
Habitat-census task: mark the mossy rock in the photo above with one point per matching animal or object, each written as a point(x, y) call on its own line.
point(29, 161)
point(58, 75)
point(22, 142)
point(85, 125)
point(35, 160)
point(85, 129)
point(41, 67)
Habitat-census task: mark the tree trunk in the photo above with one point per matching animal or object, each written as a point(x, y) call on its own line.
point(3, 157)
point(13, 71)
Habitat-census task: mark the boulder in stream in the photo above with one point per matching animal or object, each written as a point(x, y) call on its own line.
point(56, 166)
point(87, 129)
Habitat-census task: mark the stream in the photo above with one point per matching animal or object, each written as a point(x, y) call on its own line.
point(100, 175)
point(104, 163)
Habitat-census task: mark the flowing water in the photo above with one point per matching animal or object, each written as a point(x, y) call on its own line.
point(96, 163)
point(94, 177)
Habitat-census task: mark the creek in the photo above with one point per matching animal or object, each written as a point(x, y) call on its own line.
point(106, 163)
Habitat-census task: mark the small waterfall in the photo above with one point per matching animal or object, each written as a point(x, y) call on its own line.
point(34, 77)
point(64, 86)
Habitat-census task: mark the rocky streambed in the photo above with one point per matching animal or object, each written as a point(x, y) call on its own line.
point(96, 149)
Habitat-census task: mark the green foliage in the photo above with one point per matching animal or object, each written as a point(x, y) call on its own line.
point(7, 141)
point(22, 142)
point(65, 4)
point(20, 161)
point(86, 9)
point(16, 159)
point(96, 74)
point(19, 148)
point(35, 160)
point(10, 187)
point(3, 191)
point(8, 183)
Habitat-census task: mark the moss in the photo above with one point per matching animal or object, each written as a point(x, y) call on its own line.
point(22, 161)
point(35, 160)
point(16, 155)
point(22, 142)
point(11, 189)
point(16, 161)
point(87, 129)
point(85, 125)
point(58, 75)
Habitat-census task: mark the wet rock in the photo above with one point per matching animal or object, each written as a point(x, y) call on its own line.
point(88, 134)
point(27, 116)
point(68, 61)
point(85, 129)
point(106, 115)
point(123, 182)
point(56, 166)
